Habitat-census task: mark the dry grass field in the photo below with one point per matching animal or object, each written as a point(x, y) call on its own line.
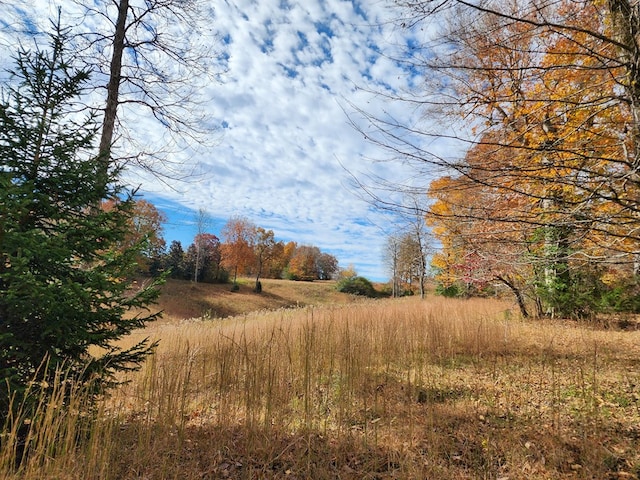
point(384, 389)
point(182, 299)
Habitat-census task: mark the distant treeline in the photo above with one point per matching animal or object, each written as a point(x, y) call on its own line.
point(245, 249)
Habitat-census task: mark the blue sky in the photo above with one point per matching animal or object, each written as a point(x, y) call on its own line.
point(282, 143)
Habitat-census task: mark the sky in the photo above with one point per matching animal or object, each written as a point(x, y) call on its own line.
point(282, 150)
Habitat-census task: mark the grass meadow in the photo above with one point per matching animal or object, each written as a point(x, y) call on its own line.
point(385, 389)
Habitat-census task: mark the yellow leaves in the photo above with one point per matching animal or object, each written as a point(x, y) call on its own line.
point(446, 274)
point(609, 278)
point(552, 148)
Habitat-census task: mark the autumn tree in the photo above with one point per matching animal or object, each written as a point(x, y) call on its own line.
point(327, 266)
point(197, 254)
point(303, 263)
point(277, 262)
point(308, 262)
point(447, 222)
point(264, 250)
point(476, 253)
point(550, 100)
point(65, 294)
point(145, 229)
point(287, 254)
point(238, 245)
point(148, 226)
point(348, 272)
point(203, 259)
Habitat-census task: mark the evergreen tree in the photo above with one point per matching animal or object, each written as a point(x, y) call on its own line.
point(63, 277)
point(174, 260)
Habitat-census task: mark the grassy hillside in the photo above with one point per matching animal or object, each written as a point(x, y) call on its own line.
point(183, 299)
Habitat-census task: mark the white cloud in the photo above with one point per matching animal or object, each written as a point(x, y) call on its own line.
point(291, 68)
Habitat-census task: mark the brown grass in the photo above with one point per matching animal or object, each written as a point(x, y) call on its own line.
point(183, 299)
point(404, 389)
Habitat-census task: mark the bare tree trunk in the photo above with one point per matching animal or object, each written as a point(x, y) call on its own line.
point(517, 293)
point(626, 25)
point(421, 234)
point(423, 267)
point(113, 88)
point(626, 20)
point(258, 288)
point(197, 268)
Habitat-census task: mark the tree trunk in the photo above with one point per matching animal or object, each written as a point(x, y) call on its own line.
point(258, 288)
point(517, 293)
point(626, 24)
point(113, 89)
point(197, 268)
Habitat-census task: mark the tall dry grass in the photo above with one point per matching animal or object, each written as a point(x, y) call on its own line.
point(388, 389)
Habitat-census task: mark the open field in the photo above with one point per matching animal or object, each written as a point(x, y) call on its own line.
point(386, 389)
point(183, 299)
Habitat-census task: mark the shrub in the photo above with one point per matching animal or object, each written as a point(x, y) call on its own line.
point(449, 291)
point(357, 286)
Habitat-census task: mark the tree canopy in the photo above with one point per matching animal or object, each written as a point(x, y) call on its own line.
point(541, 101)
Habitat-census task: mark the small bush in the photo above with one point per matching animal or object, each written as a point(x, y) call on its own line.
point(357, 286)
point(450, 291)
